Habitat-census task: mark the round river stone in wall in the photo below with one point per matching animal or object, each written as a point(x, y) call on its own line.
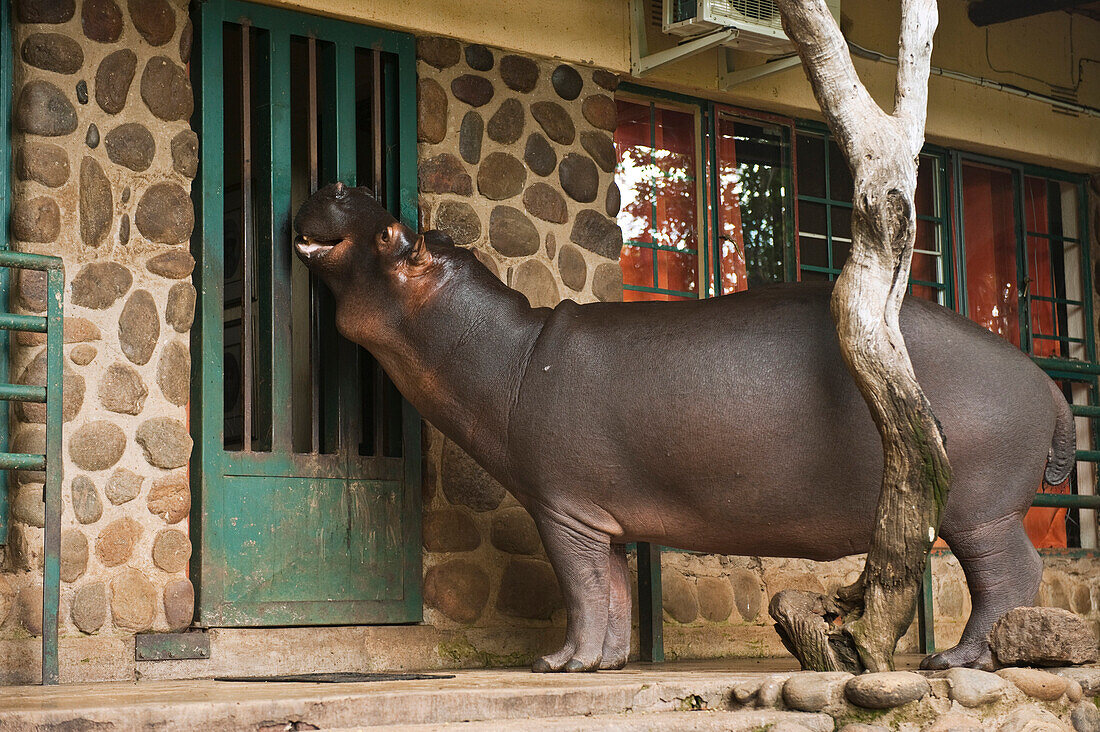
point(99, 284)
point(514, 532)
point(166, 89)
point(555, 121)
point(82, 354)
point(478, 57)
point(579, 178)
point(42, 162)
point(528, 589)
point(174, 373)
point(533, 279)
point(465, 483)
point(715, 598)
point(43, 109)
point(113, 79)
point(678, 597)
point(170, 498)
point(97, 445)
point(506, 124)
point(29, 604)
point(86, 504)
point(539, 155)
point(123, 486)
point(500, 176)
point(187, 36)
point(74, 555)
point(175, 264)
point(431, 111)
point(30, 439)
point(179, 312)
point(179, 603)
point(567, 82)
point(607, 282)
point(96, 203)
point(1042, 636)
point(27, 506)
point(459, 589)
point(449, 530)
point(92, 138)
point(519, 73)
point(72, 391)
point(165, 214)
point(36, 219)
point(89, 611)
point(597, 233)
point(45, 11)
point(544, 202)
point(121, 389)
point(185, 153)
point(605, 79)
point(511, 233)
point(474, 90)
point(444, 174)
point(101, 20)
point(572, 267)
point(139, 327)
point(131, 146)
point(116, 542)
point(165, 441)
point(613, 201)
point(6, 595)
point(600, 111)
point(602, 149)
point(469, 137)
point(748, 593)
point(154, 20)
point(439, 52)
point(53, 52)
point(886, 690)
point(171, 550)
point(133, 600)
point(459, 221)
point(973, 688)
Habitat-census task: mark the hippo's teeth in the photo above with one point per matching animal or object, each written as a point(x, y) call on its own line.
point(310, 250)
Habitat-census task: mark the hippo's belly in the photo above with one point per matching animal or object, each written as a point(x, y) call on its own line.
point(732, 426)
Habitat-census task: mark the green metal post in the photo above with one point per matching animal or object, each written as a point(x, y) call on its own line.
point(51, 581)
point(651, 634)
point(926, 625)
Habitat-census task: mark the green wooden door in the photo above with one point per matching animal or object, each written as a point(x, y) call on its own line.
point(307, 460)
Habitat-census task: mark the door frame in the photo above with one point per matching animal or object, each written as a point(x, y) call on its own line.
point(211, 463)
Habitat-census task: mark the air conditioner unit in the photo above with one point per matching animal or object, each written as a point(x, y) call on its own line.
point(758, 24)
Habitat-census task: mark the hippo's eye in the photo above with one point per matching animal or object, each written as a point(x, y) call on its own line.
point(385, 235)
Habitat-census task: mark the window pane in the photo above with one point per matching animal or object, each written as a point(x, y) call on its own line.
point(840, 178)
point(991, 286)
point(811, 166)
point(637, 264)
point(1036, 216)
point(752, 204)
point(677, 271)
point(926, 189)
point(632, 144)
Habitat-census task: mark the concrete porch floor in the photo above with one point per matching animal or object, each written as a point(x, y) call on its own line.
point(642, 696)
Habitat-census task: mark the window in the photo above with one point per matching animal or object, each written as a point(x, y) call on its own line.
point(709, 202)
point(825, 217)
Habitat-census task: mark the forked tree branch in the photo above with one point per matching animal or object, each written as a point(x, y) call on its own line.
point(919, 19)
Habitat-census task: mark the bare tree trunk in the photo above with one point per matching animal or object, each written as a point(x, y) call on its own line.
point(882, 151)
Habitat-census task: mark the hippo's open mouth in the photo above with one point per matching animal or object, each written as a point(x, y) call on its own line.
point(312, 250)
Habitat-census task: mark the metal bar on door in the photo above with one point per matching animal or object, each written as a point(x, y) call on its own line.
point(314, 283)
point(378, 408)
point(246, 234)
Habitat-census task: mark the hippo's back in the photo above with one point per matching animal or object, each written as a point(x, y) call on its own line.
point(739, 409)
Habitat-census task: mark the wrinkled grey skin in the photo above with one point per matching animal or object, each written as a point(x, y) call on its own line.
point(727, 425)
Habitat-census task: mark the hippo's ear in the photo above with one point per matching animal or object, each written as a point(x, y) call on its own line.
point(419, 255)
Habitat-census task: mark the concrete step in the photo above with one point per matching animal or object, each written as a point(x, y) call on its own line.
point(701, 721)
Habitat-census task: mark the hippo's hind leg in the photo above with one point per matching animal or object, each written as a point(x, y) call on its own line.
point(1003, 571)
point(580, 557)
point(616, 641)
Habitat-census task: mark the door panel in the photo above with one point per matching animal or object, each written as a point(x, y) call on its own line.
point(307, 458)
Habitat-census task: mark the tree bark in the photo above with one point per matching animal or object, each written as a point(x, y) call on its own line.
point(882, 152)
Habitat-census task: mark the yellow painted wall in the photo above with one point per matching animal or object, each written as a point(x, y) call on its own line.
point(963, 115)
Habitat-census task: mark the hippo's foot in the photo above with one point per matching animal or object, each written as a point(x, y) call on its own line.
point(613, 664)
point(975, 656)
point(564, 660)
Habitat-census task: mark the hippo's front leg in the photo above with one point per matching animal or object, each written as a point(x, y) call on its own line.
point(579, 555)
point(616, 642)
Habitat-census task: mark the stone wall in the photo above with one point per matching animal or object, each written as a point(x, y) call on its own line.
point(103, 160)
point(516, 160)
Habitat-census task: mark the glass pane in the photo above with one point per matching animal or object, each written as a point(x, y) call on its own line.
point(813, 251)
point(637, 265)
point(811, 276)
point(677, 271)
point(926, 202)
point(811, 218)
point(842, 234)
point(752, 204)
point(636, 296)
point(840, 178)
point(927, 238)
point(989, 228)
point(633, 147)
point(926, 292)
point(1036, 215)
point(811, 166)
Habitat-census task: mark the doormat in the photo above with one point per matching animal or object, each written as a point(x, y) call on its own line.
point(337, 678)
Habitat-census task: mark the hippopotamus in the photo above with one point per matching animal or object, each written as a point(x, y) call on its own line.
point(725, 425)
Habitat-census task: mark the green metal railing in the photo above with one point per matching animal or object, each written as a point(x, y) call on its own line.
point(52, 325)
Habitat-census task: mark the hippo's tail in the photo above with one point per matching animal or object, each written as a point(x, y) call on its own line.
point(1063, 447)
